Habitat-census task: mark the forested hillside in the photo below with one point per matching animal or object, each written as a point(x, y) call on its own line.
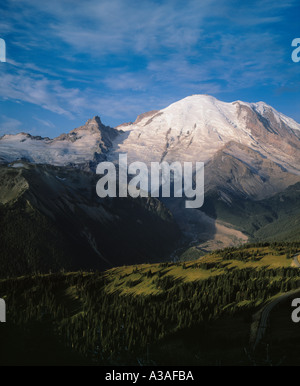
point(148, 312)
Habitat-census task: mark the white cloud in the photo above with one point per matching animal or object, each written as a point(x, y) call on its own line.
point(26, 86)
point(111, 26)
point(205, 46)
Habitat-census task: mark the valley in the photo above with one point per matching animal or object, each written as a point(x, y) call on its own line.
point(92, 280)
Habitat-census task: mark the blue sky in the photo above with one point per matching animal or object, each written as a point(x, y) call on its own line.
point(68, 60)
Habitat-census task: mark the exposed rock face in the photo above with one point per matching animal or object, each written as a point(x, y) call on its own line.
point(275, 137)
point(239, 171)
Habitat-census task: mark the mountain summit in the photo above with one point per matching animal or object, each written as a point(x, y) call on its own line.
point(81, 146)
point(196, 127)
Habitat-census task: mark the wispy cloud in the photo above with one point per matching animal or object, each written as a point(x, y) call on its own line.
point(23, 85)
point(117, 57)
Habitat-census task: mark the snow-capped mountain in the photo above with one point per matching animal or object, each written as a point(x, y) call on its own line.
point(262, 146)
point(196, 127)
point(192, 129)
point(81, 145)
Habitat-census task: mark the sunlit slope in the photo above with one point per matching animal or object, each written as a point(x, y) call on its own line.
point(148, 279)
point(185, 313)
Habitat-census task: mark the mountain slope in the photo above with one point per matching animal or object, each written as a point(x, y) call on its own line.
point(239, 171)
point(52, 219)
point(276, 218)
